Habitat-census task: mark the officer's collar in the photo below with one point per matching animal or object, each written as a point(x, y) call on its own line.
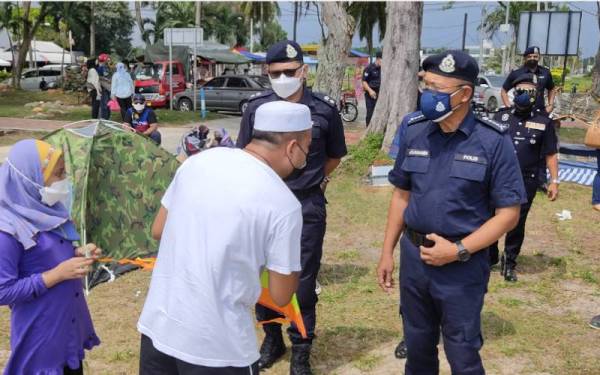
point(466, 127)
point(307, 98)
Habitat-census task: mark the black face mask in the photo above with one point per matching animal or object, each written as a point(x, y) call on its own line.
point(531, 64)
point(297, 172)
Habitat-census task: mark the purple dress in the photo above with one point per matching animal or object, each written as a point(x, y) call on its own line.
point(50, 328)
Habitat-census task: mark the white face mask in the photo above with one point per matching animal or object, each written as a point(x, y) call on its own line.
point(60, 191)
point(285, 86)
point(139, 107)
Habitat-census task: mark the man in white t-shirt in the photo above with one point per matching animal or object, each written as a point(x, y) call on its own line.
point(225, 217)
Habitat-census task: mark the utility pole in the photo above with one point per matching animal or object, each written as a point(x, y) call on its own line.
point(505, 49)
point(251, 35)
point(464, 35)
point(481, 37)
point(198, 13)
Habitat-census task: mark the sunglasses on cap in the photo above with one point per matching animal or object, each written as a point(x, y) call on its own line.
point(287, 72)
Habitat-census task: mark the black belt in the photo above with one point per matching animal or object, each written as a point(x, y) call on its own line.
point(419, 239)
point(305, 193)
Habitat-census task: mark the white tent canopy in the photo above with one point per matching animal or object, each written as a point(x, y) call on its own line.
point(42, 52)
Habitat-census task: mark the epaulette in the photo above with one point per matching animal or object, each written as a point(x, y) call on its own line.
point(259, 95)
point(501, 114)
point(497, 126)
point(416, 118)
point(325, 99)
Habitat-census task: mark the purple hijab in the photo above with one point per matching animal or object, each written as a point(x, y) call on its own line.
point(22, 213)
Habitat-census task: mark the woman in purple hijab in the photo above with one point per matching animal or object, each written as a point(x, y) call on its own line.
point(40, 269)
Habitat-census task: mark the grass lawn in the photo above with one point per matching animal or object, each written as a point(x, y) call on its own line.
point(571, 135)
point(536, 326)
point(12, 104)
point(13, 137)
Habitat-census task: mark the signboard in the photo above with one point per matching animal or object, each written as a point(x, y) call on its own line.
point(191, 36)
point(556, 33)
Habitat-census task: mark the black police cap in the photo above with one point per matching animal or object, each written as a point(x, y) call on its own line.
point(284, 51)
point(531, 50)
point(453, 64)
point(525, 78)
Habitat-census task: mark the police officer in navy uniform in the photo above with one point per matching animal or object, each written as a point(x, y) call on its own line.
point(458, 188)
point(371, 81)
point(531, 58)
point(535, 140)
point(287, 74)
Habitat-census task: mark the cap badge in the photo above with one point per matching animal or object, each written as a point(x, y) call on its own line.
point(505, 117)
point(440, 107)
point(291, 52)
point(448, 65)
point(536, 50)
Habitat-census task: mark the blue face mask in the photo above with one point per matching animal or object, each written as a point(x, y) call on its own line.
point(523, 101)
point(435, 105)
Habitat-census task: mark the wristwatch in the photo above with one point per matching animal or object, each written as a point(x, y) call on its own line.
point(463, 254)
point(555, 181)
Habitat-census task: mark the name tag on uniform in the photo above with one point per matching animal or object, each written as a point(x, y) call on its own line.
point(470, 158)
point(415, 152)
point(535, 125)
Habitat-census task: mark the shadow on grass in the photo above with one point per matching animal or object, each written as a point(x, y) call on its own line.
point(340, 345)
point(495, 327)
point(340, 273)
point(538, 263)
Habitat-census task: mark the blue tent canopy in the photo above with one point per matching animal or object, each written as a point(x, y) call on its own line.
point(355, 53)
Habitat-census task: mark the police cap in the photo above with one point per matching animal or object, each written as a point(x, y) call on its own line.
point(453, 64)
point(531, 50)
point(284, 51)
point(525, 78)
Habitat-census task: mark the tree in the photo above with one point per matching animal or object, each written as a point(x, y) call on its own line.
point(10, 24)
point(596, 71)
point(225, 23)
point(173, 15)
point(368, 14)
point(398, 94)
point(273, 33)
point(332, 56)
point(261, 12)
point(92, 29)
point(142, 22)
point(29, 26)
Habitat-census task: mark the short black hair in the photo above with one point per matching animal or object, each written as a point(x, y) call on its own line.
point(90, 63)
point(275, 138)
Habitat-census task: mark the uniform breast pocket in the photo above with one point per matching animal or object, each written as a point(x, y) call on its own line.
point(317, 139)
point(416, 167)
point(467, 179)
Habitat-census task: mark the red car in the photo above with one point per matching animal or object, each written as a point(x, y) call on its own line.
point(152, 81)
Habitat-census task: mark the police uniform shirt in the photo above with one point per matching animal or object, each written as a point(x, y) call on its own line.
point(456, 180)
point(328, 140)
point(544, 82)
point(534, 137)
point(372, 76)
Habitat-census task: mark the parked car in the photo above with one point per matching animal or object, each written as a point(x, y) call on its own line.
point(487, 92)
point(152, 81)
point(225, 93)
point(42, 78)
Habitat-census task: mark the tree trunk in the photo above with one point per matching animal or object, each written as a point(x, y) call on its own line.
point(399, 68)
point(596, 70)
point(333, 55)
point(140, 21)
point(317, 5)
point(25, 43)
point(198, 13)
point(295, 19)
point(370, 44)
point(92, 29)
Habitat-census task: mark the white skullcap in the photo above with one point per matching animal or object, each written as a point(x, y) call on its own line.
point(282, 117)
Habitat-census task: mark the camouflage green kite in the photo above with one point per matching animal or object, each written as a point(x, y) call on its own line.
point(119, 178)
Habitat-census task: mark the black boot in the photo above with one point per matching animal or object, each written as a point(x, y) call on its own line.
point(271, 349)
point(510, 274)
point(400, 351)
point(299, 363)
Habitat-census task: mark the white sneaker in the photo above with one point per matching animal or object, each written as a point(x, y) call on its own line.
point(318, 288)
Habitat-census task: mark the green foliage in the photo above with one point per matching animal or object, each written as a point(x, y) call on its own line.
point(273, 33)
point(4, 75)
point(363, 154)
point(368, 14)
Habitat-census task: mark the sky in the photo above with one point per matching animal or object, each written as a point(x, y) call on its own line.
point(441, 28)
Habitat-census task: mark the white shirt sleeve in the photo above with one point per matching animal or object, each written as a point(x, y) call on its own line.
point(283, 251)
point(167, 199)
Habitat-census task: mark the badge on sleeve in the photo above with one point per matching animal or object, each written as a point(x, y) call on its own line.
point(505, 117)
point(535, 125)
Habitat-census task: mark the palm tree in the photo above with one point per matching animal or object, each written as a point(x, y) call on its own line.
point(173, 15)
point(367, 14)
point(142, 22)
point(261, 12)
